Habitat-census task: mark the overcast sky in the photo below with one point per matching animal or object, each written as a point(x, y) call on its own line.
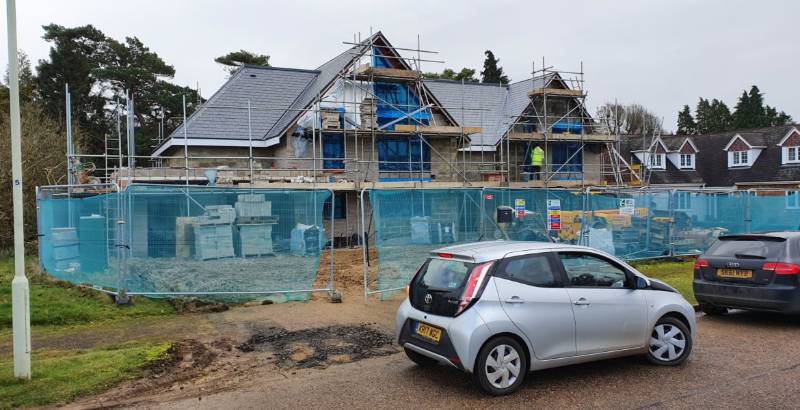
point(661, 54)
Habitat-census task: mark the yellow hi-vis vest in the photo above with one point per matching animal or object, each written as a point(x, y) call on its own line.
point(537, 156)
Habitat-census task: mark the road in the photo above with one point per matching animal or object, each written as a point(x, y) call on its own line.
point(743, 360)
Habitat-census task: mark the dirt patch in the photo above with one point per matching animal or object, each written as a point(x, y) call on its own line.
point(183, 306)
point(319, 347)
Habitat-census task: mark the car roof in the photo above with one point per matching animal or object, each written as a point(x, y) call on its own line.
point(491, 250)
point(775, 234)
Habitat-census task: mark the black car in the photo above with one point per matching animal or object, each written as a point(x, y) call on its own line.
point(752, 271)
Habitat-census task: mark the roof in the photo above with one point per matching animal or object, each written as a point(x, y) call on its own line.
point(492, 107)
point(327, 73)
point(270, 90)
point(482, 106)
point(711, 163)
point(490, 250)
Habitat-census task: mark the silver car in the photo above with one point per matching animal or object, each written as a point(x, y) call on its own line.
point(502, 309)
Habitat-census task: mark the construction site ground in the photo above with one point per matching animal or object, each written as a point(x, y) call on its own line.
point(318, 354)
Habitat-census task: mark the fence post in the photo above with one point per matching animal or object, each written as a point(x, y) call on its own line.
point(364, 246)
point(671, 237)
point(748, 212)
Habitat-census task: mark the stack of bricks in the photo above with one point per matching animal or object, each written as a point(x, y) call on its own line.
point(254, 222)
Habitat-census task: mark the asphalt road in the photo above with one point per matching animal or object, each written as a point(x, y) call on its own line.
point(743, 360)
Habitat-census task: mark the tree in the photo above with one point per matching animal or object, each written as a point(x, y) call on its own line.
point(712, 116)
point(466, 74)
point(749, 111)
point(235, 59)
point(686, 124)
point(492, 73)
point(631, 119)
point(99, 71)
point(775, 118)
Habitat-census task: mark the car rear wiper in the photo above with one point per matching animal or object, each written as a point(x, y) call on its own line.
point(748, 256)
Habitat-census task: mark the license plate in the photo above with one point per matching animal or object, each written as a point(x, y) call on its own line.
point(429, 332)
point(735, 273)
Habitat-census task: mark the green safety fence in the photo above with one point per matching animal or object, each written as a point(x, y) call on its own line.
point(164, 240)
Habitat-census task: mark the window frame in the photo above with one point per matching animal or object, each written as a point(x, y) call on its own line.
point(629, 276)
point(552, 259)
point(740, 158)
point(689, 164)
point(787, 159)
point(340, 211)
point(656, 161)
point(683, 201)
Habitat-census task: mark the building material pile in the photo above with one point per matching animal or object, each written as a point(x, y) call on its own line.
point(254, 222)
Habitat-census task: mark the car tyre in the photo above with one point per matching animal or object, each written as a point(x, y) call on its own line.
point(670, 342)
point(420, 360)
point(501, 366)
point(712, 310)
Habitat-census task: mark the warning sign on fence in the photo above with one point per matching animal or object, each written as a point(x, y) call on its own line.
point(519, 206)
point(554, 214)
point(627, 206)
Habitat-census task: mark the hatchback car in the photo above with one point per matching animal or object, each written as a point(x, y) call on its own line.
point(501, 309)
point(754, 271)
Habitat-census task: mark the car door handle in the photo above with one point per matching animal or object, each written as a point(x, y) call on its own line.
point(581, 302)
point(515, 299)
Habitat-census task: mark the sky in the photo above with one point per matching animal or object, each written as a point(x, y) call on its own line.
point(661, 54)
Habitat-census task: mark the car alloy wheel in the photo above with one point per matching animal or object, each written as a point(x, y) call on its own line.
point(667, 343)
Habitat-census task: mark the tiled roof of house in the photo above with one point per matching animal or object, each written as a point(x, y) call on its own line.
point(711, 163)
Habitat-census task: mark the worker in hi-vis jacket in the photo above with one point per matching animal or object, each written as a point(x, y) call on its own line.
point(537, 157)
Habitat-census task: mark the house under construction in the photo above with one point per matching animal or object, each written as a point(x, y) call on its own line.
point(368, 119)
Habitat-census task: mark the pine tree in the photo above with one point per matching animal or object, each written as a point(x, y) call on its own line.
point(686, 124)
point(492, 73)
point(703, 116)
point(721, 119)
point(750, 111)
point(235, 59)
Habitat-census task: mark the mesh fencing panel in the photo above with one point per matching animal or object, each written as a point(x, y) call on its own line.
point(409, 223)
point(152, 239)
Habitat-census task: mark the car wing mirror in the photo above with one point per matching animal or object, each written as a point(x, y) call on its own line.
point(641, 283)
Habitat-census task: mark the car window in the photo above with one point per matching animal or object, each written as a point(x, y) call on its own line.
point(535, 270)
point(585, 270)
point(444, 274)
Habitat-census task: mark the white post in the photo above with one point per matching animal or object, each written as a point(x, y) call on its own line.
point(20, 291)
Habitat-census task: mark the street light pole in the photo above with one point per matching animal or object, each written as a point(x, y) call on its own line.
point(20, 291)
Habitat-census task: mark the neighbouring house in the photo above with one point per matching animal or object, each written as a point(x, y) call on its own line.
point(764, 159)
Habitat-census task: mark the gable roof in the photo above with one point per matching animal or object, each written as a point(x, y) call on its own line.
point(482, 106)
point(794, 134)
point(711, 160)
point(270, 90)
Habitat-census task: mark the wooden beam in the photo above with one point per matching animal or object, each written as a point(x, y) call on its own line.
point(564, 92)
point(538, 136)
point(381, 72)
point(436, 129)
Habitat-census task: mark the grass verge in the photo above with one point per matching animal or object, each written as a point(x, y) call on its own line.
point(679, 275)
point(61, 376)
point(55, 303)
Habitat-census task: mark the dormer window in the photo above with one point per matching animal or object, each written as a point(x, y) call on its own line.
point(740, 158)
point(790, 147)
point(687, 161)
point(791, 154)
point(657, 161)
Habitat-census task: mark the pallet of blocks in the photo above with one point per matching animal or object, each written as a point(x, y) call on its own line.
point(254, 222)
point(213, 233)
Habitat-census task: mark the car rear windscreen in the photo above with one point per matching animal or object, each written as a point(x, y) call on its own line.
point(445, 274)
point(748, 248)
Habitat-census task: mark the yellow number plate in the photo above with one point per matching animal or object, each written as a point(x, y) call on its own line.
point(429, 332)
point(735, 273)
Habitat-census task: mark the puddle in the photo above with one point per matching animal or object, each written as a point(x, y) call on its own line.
point(320, 347)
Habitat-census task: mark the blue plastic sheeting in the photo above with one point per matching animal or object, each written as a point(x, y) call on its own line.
point(396, 100)
point(574, 127)
point(403, 154)
point(332, 147)
point(173, 239)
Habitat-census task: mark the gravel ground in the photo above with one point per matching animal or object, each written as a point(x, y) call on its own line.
point(743, 360)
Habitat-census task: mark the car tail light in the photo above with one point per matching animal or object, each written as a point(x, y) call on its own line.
point(782, 268)
point(700, 263)
point(473, 286)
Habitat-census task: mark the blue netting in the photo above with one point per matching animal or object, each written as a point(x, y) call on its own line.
point(172, 239)
point(410, 223)
point(632, 224)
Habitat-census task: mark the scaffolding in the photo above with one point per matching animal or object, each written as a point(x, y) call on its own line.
point(555, 115)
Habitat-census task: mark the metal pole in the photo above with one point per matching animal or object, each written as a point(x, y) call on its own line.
point(70, 149)
point(364, 242)
point(250, 142)
point(186, 153)
point(20, 291)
